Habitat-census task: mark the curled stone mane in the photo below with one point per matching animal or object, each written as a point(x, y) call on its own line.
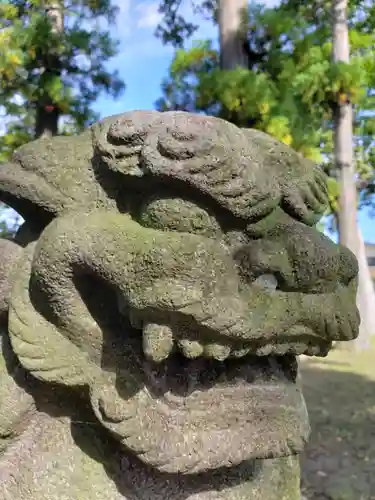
point(245, 171)
point(165, 279)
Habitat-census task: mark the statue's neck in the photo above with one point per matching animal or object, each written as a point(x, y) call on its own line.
point(261, 480)
point(120, 476)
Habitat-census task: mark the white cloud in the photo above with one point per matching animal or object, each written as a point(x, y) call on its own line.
point(123, 18)
point(135, 27)
point(149, 16)
point(272, 3)
point(137, 20)
point(17, 99)
point(82, 61)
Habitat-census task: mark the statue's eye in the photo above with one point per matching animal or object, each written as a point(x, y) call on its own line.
point(267, 281)
point(182, 145)
point(130, 136)
point(177, 214)
point(183, 136)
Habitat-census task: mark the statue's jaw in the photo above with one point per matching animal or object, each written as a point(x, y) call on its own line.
point(200, 415)
point(195, 415)
point(263, 327)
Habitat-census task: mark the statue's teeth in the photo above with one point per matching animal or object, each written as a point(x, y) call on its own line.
point(157, 342)
point(312, 350)
point(217, 351)
point(240, 353)
point(280, 349)
point(265, 350)
point(301, 348)
point(315, 350)
point(190, 348)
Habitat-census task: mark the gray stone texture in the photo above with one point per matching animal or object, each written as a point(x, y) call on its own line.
point(152, 307)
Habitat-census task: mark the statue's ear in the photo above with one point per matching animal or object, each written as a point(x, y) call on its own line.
point(47, 177)
point(28, 193)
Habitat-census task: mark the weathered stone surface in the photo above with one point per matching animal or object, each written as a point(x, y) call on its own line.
point(166, 277)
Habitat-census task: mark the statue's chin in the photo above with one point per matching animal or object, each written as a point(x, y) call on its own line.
point(199, 415)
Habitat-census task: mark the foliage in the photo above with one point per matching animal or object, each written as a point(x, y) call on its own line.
point(56, 70)
point(291, 86)
point(174, 29)
point(9, 222)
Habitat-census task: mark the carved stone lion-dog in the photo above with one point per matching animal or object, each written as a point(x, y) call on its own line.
point(153, 304)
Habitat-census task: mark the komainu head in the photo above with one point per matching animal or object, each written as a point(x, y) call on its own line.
point(171, 265)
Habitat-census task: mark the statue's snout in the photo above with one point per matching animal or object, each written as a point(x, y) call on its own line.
point(318, 263)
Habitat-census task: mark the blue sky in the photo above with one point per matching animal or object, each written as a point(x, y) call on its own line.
point(143, 61)
point(367, 225)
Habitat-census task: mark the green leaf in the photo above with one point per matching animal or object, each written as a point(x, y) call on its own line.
point(40, 66)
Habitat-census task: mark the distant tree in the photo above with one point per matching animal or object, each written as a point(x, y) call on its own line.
point(349, 233)
point(52, 66)
point(53, 56)
point(232, 16)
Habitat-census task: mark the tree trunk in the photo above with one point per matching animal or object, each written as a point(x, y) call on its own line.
point(47, 114)
point(343, 137)
point(349, 232)
point(47, 119)
point(365, 298)
point(233, 18)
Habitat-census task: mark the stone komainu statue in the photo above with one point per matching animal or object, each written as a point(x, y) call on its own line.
point(152, 307)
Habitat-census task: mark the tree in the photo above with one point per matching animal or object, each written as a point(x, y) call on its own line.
point(52, 58)
point(232, 18)
point(290, 86)
point(52, 68)
point(349, 233)
point(293, 90)
point(47, 116)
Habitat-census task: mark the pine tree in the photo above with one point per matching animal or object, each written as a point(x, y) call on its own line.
point(53, 66)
